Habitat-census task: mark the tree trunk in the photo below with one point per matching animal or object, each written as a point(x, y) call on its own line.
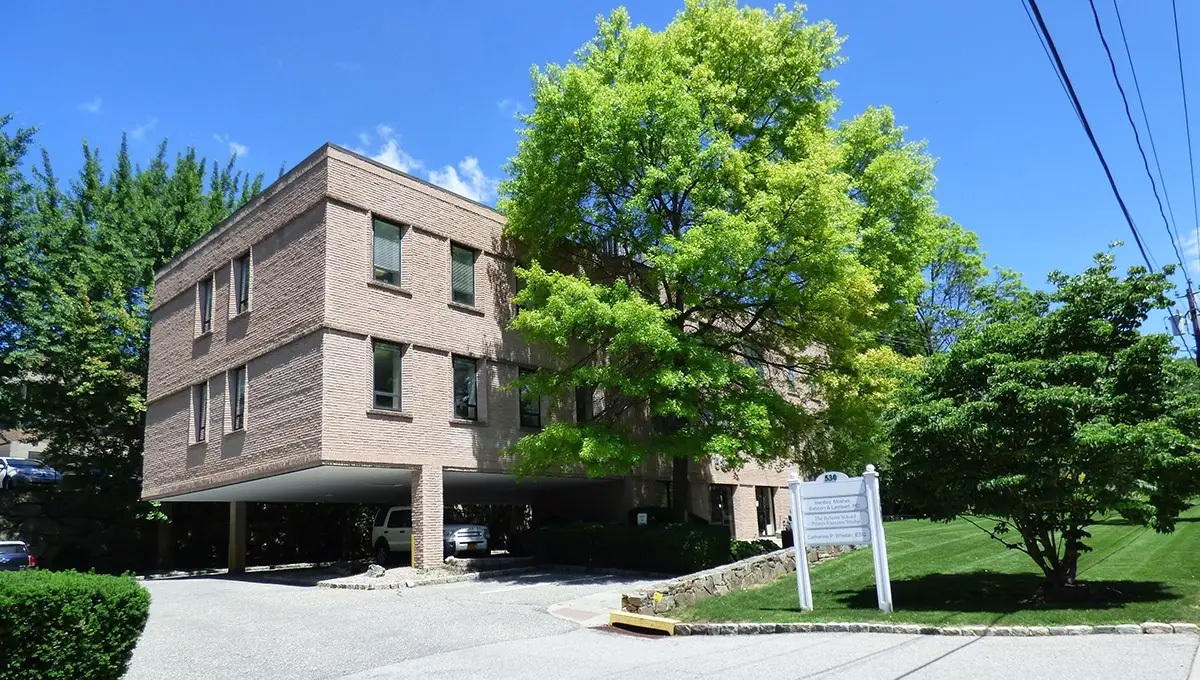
point(681, 492)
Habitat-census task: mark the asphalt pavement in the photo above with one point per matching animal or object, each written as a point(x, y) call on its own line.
point(215, 628)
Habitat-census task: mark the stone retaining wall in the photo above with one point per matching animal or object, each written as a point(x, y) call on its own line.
point(1147, 628)
point(754, 571)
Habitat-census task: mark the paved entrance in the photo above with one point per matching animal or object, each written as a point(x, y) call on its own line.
point(222, 628)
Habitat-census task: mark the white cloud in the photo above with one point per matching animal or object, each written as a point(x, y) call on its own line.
point(92, 106)
point(389, 152)
point(235, 148)
point(138, 133)
point(466, 179)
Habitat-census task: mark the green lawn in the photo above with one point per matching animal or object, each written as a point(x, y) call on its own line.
point(954, 574)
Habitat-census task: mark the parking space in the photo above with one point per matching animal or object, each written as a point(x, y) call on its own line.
point(254, 628)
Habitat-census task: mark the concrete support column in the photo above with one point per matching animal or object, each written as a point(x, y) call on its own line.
point(428, 508)
point(166, 538)
point(745, 517)
point(237, 537)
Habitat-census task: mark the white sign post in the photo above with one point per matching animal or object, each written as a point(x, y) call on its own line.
point(838, 510)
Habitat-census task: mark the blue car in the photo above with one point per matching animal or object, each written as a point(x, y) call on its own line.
point(22, 473)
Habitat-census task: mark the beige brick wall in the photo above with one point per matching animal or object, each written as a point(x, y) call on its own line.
point(307, 339)
point(427, 505)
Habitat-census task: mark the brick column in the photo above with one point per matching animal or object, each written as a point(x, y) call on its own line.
point(237, 537)
point(428, 509)
point(745, 518)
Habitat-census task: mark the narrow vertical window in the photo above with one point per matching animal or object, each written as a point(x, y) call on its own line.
point(386, 252)
point(241, 283)
point(200, 412)
point(531, 404)
point(462, 275)
point(237, 398)
point(754, 360)
point(204, 300)
point(584, 404)
point(387, 375)
point(466, 404)
point(764, 497)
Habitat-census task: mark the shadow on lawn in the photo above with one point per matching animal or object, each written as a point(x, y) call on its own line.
point(985, 591)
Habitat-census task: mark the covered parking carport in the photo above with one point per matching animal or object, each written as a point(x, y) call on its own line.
point(429, 488)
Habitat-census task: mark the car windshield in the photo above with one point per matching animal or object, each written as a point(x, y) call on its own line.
point(24, 463)
point(14, 548)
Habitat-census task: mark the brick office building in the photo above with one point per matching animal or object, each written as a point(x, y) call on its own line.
point(341, 338)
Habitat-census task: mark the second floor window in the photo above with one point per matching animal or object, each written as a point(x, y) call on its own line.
point(241, 284)
point(200, 412)
point(754, 360)
point(387, 376)
point(531, 404)
point(386, 252)
point(584, 404)
point(462, 275)
point(466, 402)
point(204, 299)
point(237, 398)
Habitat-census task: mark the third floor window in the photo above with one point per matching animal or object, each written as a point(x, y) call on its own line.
point(462, 275)
point(204, 300)
point(386, 252)
point(241, 284)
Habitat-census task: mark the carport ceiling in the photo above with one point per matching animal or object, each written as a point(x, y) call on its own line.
point(361, 484)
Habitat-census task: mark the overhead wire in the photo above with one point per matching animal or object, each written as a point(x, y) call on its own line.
point(1187, 123)
point(1044, 32)
point(1136, 135)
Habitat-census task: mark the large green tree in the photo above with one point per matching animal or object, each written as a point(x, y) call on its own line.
point(699, 234)
point(76, 280)
point(1053, 414)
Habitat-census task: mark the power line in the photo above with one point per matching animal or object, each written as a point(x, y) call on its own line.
point(1146, 119)
point(1187, 124)
point(1136, 136)
point(1087, 128)
point(1046, 50)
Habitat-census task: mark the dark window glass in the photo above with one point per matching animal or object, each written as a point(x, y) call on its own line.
point(380, 516)
point(754, 360)
point(200, 411)
point(764, 497)
point(466, 405)
point(584, 404)
point(721, 503)
point(387, 376)
point(241, 282)
point(791, 381)
point(386, 252)
point(400, 519)
point(462, 275)
point(237, 398)
point(531, 404)
point(206, 305)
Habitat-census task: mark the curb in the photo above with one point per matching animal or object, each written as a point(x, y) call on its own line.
point(221, 571)
point(1147, 628)
point(477, 575)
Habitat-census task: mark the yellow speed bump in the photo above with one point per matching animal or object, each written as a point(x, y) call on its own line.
point(642, 622)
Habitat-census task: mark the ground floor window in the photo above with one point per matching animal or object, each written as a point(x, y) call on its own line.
point(663, 493)
point(764, 497)
point(721, 504)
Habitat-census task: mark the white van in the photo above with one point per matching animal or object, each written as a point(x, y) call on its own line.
point(392, 533)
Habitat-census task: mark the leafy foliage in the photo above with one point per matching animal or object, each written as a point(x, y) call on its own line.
point(1050, 418)
point(68, 625)
point(76, 280)
point(700, 236)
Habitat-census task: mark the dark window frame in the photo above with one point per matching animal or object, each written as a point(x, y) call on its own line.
point(237, 399)
point(585, 404)
point(468, 409)
point(397, 395)
point(205, 303)
point(382, 274)
point(457, 296)
point(530, 415)
point(200, 412)
point(241, 283)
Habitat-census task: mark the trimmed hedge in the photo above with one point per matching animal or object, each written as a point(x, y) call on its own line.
point(665, 548)
point(66, 625)
point(744, 549)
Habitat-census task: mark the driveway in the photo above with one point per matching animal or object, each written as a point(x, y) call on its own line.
point(224, 628)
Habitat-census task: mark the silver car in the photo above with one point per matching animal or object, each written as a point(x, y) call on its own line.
point(22, 473)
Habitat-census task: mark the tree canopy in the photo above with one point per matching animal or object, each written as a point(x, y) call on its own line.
point(707, 250)
point(1051, 415)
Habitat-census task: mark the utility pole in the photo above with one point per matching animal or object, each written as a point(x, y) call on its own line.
point(1191, 298)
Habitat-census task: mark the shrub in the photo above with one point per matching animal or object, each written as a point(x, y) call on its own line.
point(666, 548)
point(67, 625)
point(740, 550)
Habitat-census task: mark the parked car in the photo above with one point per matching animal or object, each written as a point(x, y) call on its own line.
point(15, 555)
point(393, 533)
point(17, 473)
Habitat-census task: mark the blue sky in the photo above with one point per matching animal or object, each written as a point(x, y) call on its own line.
point(433, 87)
